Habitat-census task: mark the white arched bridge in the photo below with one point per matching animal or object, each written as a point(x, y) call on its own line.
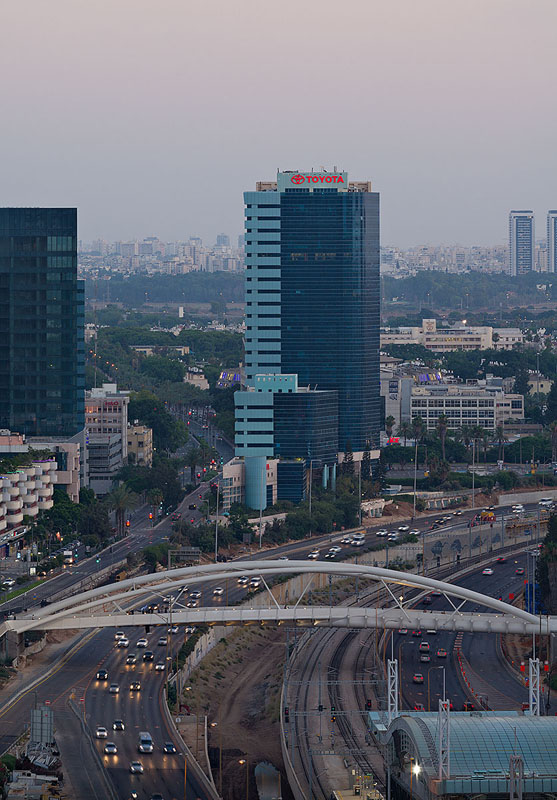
point(111, 605)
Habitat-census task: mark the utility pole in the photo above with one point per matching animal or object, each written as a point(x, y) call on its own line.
point(217, 526)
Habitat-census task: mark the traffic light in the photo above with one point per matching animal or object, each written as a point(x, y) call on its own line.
point(128, 523)
point(333, 714)
point(98, 559)
point(286, 714)
point(368, 704)
point(150, 515)
point(320, 707)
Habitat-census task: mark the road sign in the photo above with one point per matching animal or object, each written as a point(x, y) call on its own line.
point(191, 555)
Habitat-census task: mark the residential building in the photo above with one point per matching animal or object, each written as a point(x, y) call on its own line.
point(465, 406)
point(25, 491)
point(552, 241)
point(521, 242)
point(105, 461)
point(312, 301)
point(68, 456)
point(140, 445)
point(539, 384)
point(42, 364)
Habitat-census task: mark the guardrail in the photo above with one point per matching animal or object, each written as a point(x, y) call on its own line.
point(106, 777)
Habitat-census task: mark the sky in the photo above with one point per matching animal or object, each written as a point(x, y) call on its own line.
point(153, 116)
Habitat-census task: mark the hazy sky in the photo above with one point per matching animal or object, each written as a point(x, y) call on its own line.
point(152, 116)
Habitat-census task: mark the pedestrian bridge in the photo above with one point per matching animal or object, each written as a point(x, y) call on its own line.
point(113, 605)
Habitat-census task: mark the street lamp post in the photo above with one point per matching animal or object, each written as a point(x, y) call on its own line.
point(217, 526)
point(246, 762)
point(415, 769)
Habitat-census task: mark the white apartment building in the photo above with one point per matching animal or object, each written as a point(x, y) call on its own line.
point(25, 492)
point(465, 406)
point(461, 337)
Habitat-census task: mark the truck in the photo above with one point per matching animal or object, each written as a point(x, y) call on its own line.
point(68, 556)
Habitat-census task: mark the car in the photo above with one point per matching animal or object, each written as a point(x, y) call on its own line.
point(9, 582)
point(403, 631)
point(136, 768)
point(118, 725)
point(119, 635)
point(393, 533)
point(176, 515)
point(500, 560)
point(160, 667)
point(174, 629)
point(218, 591)
point(192, 520)
point(283, 558)
point(125, 642)
point(196, 594)
point(189, 629)
point(335, 549)
point(519, 571)
point(135, 686)
point(441, 653)
point(100, 732)
point(314, 555)
point(381, 532)
point(346, 540)
point(424, 647)
point(404, 528)
point(416, 633)
point(255, 583)
point(436, 593)
point(163, 641)
point(192, 506)
point(358, 542)
point(102, 675)
point(431, 632)
point(467, 706)
point(157, 796)
point(131, 659)
point(418, 707)
point(110, 749)
point(458, 513)
point(487, 571)
point(418, 677)
point(427, 601)
point(192, 604)
point(148, 655)
point(243, 580)
point(142, 643)
point(415, 532)
point(424, 658)
point(169, 747)
point(114, 688)
point(330, 555)
point(439, 521)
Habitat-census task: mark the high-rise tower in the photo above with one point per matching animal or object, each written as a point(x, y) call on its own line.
point(552, 241)
point(313, 296)
point(521, 242)
point(41, 323)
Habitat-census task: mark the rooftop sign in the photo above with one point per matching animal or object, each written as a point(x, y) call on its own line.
point(312, 180)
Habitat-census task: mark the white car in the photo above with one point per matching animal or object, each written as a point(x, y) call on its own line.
point(142, 643)
point(136, 768)
point(487, 571)
point(110, 749)
point(403, 528)
point(243, 580)
point(195, 595)
point(114, 688)
point(159, 667)
point(381, 532)
point(346, 540)
point(313, 555)
point(119, 635)
point(283, 558)
point(123, 642)
point(218, 591)
point(358, 542)
point(101, 733)
point(415, 532)
point(335, 549)
point(255, 583)
point(163, 641)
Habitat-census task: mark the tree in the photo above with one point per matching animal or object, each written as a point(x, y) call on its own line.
point(366, 464)
point(442, 427)
point(501, 438)
point(193, 458)
point(418, 430)
point(551, 403)
point(406, 431)
point(389, 425)
point(348, 460)
point(121, 500)
point(521, 382)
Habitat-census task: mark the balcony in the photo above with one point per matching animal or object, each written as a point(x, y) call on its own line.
point(13, 519)
point(44, 505)
point(14, 505)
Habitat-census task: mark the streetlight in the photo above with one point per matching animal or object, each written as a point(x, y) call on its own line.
point(415, 769)
point(246, 762)
point(428, 695)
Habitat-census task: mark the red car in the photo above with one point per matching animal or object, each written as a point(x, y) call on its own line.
point(418, 707)
point(176, 515)
point(519, 571)
point(418, 677)
point(500, 560)
point(416, 633)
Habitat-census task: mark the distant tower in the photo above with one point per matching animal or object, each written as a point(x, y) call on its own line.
point(223, 240)
point(552, 241)
point(521, 242)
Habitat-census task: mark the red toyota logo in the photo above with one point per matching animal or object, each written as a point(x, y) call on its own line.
point(297, 179)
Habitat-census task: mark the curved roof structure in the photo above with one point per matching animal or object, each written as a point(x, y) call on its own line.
point(481, 745)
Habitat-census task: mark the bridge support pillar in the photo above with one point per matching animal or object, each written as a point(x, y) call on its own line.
point(534, 686)
point(392, 689)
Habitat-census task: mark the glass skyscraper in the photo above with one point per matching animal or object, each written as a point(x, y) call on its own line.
point(42, 372)
point(313, 295)
point(521, 242)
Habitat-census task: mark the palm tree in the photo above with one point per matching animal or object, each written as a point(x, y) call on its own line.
point(389, 425)
point(465, 434)
point(442, 428)
point(418, 430)
point(500, 438)
point(405, 430)
point(120, 500)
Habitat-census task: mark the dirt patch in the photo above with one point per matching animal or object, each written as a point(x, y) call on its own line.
point(238, 687)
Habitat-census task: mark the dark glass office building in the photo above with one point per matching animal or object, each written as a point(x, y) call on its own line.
point(330, 296)
point(306, 425)
point(42, 373)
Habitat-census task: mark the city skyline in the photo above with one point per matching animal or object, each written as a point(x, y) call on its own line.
point(152, 135)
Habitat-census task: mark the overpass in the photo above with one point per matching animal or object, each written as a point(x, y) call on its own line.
point(108, 606)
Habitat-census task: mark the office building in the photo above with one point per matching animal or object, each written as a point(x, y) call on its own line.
point(552, 241)
point(464, 405)
point(106, 424)
point(42, 364)
point(521, 242)
point(312, 299)
point(140, 445)
point(455, 337)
